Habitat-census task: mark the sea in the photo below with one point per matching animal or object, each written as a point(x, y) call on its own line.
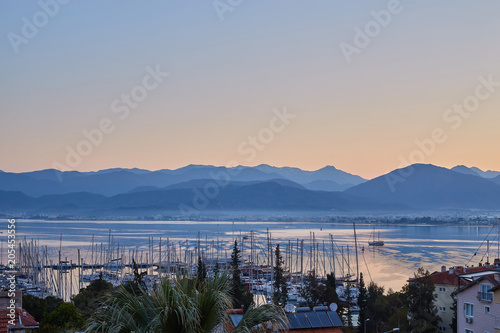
point(405, 249)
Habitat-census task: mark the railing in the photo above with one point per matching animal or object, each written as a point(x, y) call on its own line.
point(485, 297)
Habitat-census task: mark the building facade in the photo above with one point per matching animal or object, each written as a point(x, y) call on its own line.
point(496, 299)
point(477, 311)
point(446, 282)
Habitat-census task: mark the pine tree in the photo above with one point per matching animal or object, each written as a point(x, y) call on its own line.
point(280, 295)
point(331, 295)
point(312, 291)
point(242, 297)
point(235, 268)
point(349, 299)
point(362, 298)
point(201, 274)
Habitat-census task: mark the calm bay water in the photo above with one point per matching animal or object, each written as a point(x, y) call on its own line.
point(406, 248)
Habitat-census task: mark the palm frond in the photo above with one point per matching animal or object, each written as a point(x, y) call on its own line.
point(262, 315)
point(178, 305)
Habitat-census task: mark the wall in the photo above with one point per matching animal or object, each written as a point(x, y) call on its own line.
point(445, 300)
point(481, 321)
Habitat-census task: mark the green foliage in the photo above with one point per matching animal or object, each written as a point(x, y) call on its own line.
point(376, 306)
point(280, 295)
point(453, 324)
point(181, 306)
point(348, 314)
point(311, 290)
point(320, 291)
point(38, 307)
point(330, 295)
point(425, 327)
point(64, 318)
point(138, 282)
point(262, 314)
point(138, 277)
point(201, 274)
point(398, 310)
point(420, 298)
point(91, 297)
point(362, 299)
point(242, 297)
point(384, 311)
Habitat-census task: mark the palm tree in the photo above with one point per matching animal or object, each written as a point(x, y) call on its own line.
point(264, 315)
point(182, 305)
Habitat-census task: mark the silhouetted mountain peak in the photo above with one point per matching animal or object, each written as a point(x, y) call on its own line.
point(328, 168)
point(431, 187)
point(476, 171)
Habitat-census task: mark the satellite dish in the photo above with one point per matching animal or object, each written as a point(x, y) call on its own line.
point(333, 307)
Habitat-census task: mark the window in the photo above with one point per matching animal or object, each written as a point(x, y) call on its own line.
point(486, 309)
point(484, 295)
point(469, 310)
point(468, 331)
point(442, 289)
point(442, 309)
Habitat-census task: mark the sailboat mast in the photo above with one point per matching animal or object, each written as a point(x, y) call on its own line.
point(356, 245)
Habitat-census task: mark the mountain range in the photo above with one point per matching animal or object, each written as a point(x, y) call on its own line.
point(116, 181)
point(199, 189)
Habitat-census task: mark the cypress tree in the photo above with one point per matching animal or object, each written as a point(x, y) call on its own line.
point(280, 295)
point(362, 303)
point(242, 297)
point(201, 272)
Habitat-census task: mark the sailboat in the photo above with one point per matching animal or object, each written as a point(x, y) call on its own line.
point(377, 242)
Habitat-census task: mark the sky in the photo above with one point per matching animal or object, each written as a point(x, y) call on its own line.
point(365, 86)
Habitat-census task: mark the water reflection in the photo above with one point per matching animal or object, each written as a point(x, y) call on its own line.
point(406, 248)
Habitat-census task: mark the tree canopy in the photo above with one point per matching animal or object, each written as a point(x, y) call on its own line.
point(179, 306)
point(420, 297)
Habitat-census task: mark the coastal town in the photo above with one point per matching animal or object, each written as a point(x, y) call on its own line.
point(313, 285)
point(232, 166)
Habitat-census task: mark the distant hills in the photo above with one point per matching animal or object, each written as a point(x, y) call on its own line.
point(425, 186)
point(198, 189)
point(116, 181)
point(190, 198)
point(476, 171)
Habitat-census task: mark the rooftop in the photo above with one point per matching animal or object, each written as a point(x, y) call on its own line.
point(26, 319)
point(451, 276)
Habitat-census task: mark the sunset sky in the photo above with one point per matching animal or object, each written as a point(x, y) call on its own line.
point(232, 67)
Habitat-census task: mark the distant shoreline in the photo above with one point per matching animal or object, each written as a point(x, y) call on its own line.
point(359, 220)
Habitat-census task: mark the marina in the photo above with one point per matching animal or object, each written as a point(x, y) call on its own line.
point(61, 263)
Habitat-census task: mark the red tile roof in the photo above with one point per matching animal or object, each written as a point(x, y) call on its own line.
point(445, 278)
point(26, 319)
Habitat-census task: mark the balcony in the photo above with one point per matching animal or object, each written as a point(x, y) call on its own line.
point(485, 297)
